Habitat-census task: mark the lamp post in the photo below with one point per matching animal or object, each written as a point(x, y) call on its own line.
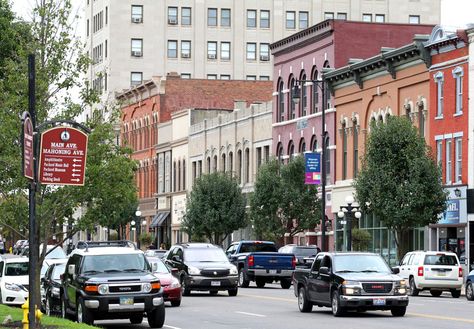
point(348, 211)
point(296, 99)
point(133, 229)
point(138, 213)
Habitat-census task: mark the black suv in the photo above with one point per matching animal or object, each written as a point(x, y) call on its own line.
point(203, 266)
point(111, 280)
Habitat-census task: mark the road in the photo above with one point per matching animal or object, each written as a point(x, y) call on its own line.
point(275, 308)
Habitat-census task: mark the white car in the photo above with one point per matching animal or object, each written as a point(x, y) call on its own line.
point(436, 271)
point(13, 281)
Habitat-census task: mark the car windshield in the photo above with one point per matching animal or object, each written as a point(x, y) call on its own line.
point(57, 271)
point(161, 267)
point(55, 253)
point(16, 269)
point(115, 263)
point(441, 259)
point(305, 252)
point(205, 255)
point(257, 247)
point(360, 263)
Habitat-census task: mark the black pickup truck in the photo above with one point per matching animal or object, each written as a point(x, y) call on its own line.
point(350, 281)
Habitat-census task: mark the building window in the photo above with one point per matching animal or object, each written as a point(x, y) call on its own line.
point(290, 20)
point(327, 155)
point(212, 77)
point(185, 16)
point(106, 15)
point(251, 18)
point(344, 151)
point(251, 51)
point(342, 16)
point(231, 163)
point(137, 47)
point(291, 150)
point(264, 78)
point(223, 163)
point(303, 19)
point(193, 171)
point(421, 119)
point(264, 19)
point(87, 27)
point(239, 166)
point(136, 78)
point(137, 14)
point(328, 15)
point(172, 49)
point(185, 75)
point(458, 166)
point(281, 103)
point(292, 104)
point(247, 165)
point(212, 50)
point(208, 162)
point(211, 16)
point(185, 49)
point(449, 165)
point(225, 50)
point(279, 153)
point(414, 19)
point(106, 48)
point(251, 77)
point(184, 175)
point(225, 17)
point(266, 153)
point(315, 107)
point(225, 77)
point(439, 80)
point(304, 96)
point(214, 164)
point(380, 18)
point(439, 153)
point(356, 150)
point(172, 15)
point(458, 75)
point(259, 157)
point(314, 144)
point(302, 147)
point(264, 52)
point(366, 17)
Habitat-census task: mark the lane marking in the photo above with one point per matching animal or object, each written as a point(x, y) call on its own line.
point(252, 314)
point(271, 298)
point(171, 327)
point(439, 317)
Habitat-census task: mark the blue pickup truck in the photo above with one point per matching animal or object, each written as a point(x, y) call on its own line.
point(259, 261)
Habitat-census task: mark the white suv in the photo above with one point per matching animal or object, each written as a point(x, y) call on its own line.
point(432, 270)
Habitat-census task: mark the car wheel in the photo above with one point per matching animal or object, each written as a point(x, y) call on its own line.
point(469, 291)
point(285, 283)
point(136, 319)
point(243, 281)
point(233, 292)
point(83, 314)
point(260, 282)
point(184, 290)
point(156, 318)
point(303, 303)
point(455, 293)
point(337, 310)
point(175, 303)
point(436, 293)
point(399, 311)
point(413, 290)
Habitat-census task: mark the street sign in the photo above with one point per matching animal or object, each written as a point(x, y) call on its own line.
point(63, 153)
point(312, 168)
point(28, 154)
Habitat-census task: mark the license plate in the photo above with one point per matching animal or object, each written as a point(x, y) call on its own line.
point(441, 273)
point(215, 283)
point(379, 301)
point(126, 300)
point(273, 271)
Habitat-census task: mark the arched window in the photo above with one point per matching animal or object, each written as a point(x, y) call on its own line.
point(315, 91)
point(344, 151)
point(291, 150)
point(314, 144)
point(302, 147)
point(356, 149)
point(291, 104)
point(178, 186)
point(214, 165)
point(239, 166)
point(304, 96)
point(231, 163)
point(223, 164)
point(328, 95)
point(421, 118)
point(279, 153)
point(184, 174)
point(174, 176)
point(281, 103)
point(327, 155)
point(247, 165)
point(208, 165)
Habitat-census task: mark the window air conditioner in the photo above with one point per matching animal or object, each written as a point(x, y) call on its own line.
point(264, 57)
point(172, 21)
point(137, 20)
point(185, 55)
point(211, 56)
point(137, 54)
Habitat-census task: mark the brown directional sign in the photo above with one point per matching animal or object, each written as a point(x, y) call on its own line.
point(63, 153)
point(28, 155)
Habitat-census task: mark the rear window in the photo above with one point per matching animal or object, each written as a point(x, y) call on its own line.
point(440, 260)
point(257, 247)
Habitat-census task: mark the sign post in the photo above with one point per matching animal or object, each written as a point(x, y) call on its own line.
point(312, 168)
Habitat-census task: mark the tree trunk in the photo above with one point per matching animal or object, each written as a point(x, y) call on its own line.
point(402, 240)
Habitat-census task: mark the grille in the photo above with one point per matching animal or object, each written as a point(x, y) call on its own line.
point(124, 289)
point(215, 273)
point(377, 288)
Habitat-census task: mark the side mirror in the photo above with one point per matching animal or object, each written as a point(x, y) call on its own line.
point(395, 270)
point(71, 269)
point(324, 270)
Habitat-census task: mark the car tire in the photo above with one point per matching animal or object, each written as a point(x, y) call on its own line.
point(469, 291)
point(414, 291)
point(136, 319)
point(304, 304)
point(175, 303)
point(184, 290)
point(399, 310)
point(436, 293)
point(455, 293)
point(233, 292)
point(243, 280)
point(156, 318)
point(260, 282)
point(285, 283)
point(83, 314)
point(337, 309)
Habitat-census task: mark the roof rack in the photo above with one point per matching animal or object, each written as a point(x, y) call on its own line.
point(114, 243)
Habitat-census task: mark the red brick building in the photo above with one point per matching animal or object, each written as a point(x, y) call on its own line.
point(147, 105)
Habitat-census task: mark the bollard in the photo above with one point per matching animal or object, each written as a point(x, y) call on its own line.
point(38, 314)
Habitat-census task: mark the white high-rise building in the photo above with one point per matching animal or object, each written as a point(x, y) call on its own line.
point(131, 41)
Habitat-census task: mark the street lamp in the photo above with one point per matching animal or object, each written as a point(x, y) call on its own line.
point(138, 214)
point(133, 228)
point(347, 212)
point(296, 96)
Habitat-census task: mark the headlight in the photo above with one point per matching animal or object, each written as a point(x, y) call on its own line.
point(401, 287)
point(175, 284)
point(55, 291)
point(12, 286)
point(402, 283)
point(233, 270)
point(146, 287)
point(103, 289)
point(193, 270)
point(351, 288)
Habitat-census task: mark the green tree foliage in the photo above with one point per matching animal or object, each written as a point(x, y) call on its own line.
point(399, 181)
point(215, 208)
point(281, 202)
point(360, 239)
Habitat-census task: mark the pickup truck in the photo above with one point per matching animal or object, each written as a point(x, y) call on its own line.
point(350, 281)
point(259, 261)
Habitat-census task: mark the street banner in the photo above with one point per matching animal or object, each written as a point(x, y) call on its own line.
point(312, 168)
point(27, 141)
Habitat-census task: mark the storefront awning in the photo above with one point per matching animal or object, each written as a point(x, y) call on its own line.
point(159, 218)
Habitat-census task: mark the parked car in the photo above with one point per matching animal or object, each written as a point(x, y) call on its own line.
point(350, 281)
point(155, 253)
point(52, 251)
point(13, 281)
point(259, 261)
point(432, 270)
point(304, 254)
point(169, 282)
point(17, 248)
point(203, 267)
point(51, 288)
point(470, 286)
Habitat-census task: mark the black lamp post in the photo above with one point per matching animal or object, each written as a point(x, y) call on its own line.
point(349, 211)
point(296, 95)
point(137, 225)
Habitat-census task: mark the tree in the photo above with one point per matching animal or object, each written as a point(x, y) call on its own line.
point(399, 181)
point(215, 208)
point(281, 202)
point(360, 239)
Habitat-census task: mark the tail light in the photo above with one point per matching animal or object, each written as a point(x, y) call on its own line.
point(420, 271)
point(460, 272)
point(251, 261)
point(293, 262)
